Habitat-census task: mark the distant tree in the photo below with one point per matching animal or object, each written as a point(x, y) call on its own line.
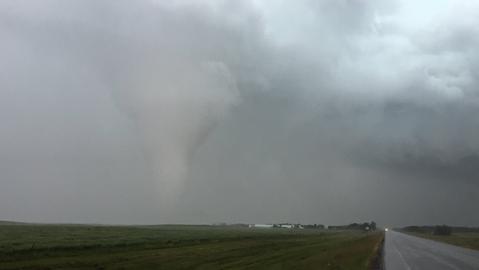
point(442, 230)
point(419, 229)
point(354, 226)
point(314, 226)
point(373, 226)
point(365, 226)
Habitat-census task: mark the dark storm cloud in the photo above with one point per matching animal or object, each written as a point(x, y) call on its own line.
point(267, 111)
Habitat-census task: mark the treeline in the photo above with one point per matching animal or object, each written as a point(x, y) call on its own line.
point(314, 226)
point(356, 226)
point(440, 229)
point(365, 226)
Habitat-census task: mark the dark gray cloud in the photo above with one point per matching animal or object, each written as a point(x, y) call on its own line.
point(261, 111)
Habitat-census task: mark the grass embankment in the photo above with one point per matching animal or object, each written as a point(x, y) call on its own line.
point(462, 239)
point(181, 247)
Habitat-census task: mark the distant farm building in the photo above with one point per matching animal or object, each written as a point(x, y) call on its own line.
point(280, 225)
point(261, 225)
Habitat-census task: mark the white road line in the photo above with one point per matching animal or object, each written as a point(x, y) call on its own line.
point(402, 258)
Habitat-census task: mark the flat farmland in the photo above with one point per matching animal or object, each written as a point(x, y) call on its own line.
point(182, 247)
point(462, 239)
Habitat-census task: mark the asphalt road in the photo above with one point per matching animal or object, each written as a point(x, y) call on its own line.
point(405, 252)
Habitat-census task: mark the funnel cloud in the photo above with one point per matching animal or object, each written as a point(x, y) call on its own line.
point(240, 111)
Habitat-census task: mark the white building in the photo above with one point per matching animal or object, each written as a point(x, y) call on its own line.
point(261, 225)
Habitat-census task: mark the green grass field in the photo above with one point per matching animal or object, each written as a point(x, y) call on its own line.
point(182, 247)
point(463, 239)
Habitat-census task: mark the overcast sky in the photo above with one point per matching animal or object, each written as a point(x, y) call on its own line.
point(329, 111)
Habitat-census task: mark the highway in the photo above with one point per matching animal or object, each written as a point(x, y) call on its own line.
point(405, 252)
